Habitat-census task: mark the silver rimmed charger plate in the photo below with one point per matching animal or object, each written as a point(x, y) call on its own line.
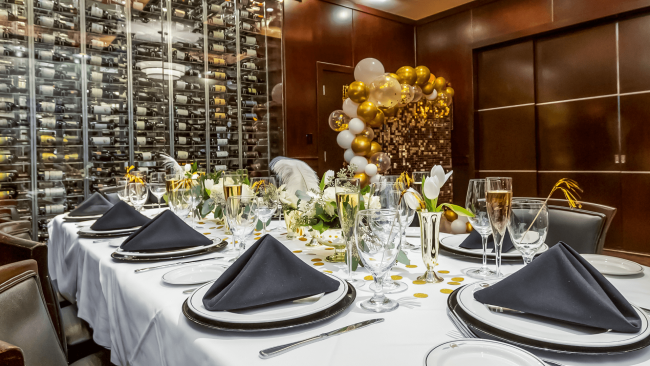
point(452, 243)
point(89, 233)
point(320, 316)
point(80, 218)
point(479, 352)
point(166, 257)
point(488, 331)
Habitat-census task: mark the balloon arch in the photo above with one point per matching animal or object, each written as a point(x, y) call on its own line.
point(376, 96)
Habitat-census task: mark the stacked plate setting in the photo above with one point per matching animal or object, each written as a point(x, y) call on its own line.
point(152, 256)
point(452, 244)
point(475, 320)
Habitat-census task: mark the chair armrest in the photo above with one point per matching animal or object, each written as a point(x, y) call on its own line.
point(11, 355)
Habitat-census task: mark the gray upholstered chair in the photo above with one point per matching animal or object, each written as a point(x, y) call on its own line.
point(27, 334)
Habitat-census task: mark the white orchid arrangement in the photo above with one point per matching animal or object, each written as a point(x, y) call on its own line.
point(431, 186)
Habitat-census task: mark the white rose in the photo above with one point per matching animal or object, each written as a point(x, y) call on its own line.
point(329, 194)
point(330, 209)
point(216, 193)
point(208, 183)
point(246, 190)
point(288, 199)
point(188, 167)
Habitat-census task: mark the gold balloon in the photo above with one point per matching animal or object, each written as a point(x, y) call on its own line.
point(358, 92)
point(363, 178)
point(406, 75)
point(367, 111)
point(444, 97)
point(368, 132)
point(390, 112)
point(338, 121)
point(450, 215)
point(361, 145)
point(439, 84)
point(422, 75)
point(394, 75)
point(432, 78)
point(469, 227)
point(427, 88)
point(379, 119)
point(375, 147)
point(450, 91)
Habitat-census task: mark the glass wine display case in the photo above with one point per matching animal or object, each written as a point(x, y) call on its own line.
point(89, 88)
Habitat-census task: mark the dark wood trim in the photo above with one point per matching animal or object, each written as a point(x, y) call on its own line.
point(459, 9)
point(372, 11)
point(326, 66)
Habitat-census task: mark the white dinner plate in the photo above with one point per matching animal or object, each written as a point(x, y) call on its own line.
point(613, 266)
point(67, 215)
point(545, 329)
point(175, 252)
point(453, 242)
point(195, 274)
point(279, 311)
point(479, 352)
point(89, 231)
point(413, 231)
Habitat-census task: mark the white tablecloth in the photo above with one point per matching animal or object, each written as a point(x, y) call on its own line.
point(139, 318)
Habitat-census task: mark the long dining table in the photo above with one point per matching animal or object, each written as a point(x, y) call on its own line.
point(139, 318)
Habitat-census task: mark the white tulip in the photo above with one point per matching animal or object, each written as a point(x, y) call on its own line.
point(188, 167)
point(208, 183)
point(411, 199)
point(431, 187)
point(195, 176)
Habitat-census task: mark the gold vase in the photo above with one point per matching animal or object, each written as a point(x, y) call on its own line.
point(429, 231)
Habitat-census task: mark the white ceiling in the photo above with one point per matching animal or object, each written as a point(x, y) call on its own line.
point(413, 9)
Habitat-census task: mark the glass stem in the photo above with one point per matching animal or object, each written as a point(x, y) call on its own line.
point(348, 250)
point(527, 259)
point(379, 289)
point(498, 247)
point(264, 227)
point(484, 239)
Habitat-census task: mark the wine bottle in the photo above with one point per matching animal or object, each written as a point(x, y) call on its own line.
point(12, 70)
point(249, 65)
point(101, 140)
point(180, 126)
point(102, 28)
point(101, 93)
point(102, 125)
point(216, 61)
point(183, 155)
point(97, 12)
point(52, 209)
point(144, 111)
point(143, 155)
point(54, 22)
point(101, 155)
point(50, 175)
point(219, 88)
point(147, 125)
point(102, 109)
point(181, 140)
point(248, 40)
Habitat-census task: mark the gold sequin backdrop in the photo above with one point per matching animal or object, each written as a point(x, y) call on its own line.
point(417, 143)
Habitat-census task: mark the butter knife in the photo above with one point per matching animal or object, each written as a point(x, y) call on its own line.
point(274, 351)
point(500, 309)
point(174, 264)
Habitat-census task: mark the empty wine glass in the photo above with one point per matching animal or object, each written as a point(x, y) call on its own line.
point(476, 204)
point(178, 203)
point(267, 202)
point(193, 198)
point(528, 227)
point(122, 191)
point(138, 194)
point(378, 238)
point(157, 185)
point(241, 213)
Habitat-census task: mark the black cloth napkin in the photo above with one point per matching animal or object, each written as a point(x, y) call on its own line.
point(164, 232)
point(473, 241)
point(94, 205)
point(113, 198)
point(120, 216)
point(562, 285)
point(268, 272)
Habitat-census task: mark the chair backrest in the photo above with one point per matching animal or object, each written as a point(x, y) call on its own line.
point(608, 211)
point(24, 320)
point(14, 249)
point(580, 229)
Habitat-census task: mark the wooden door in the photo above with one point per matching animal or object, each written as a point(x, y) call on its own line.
point(330, 81)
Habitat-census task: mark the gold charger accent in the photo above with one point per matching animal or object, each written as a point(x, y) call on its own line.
point(297, 251)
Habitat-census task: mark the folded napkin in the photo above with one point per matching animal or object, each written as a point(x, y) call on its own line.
point(113, 198)
point(164, 232)
point(120, 216)
point(266, 273)
point(94, 205)
point(562, 285)
point(474, 241)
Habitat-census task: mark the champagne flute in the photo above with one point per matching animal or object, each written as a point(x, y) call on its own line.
point(476, 204)
point(241, 214)
point(499, 205)
point(348, 192)
point(232, 186)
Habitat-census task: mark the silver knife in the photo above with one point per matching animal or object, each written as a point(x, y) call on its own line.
point(174, 264)
point(500, 309)
point(274, 351)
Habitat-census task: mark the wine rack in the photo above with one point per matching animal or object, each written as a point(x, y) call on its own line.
point(89, 88)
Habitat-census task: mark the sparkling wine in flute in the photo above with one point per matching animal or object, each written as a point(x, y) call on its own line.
point(499, 208)
point(348, 206)
point(229, 191)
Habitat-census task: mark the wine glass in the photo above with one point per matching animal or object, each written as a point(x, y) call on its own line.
point(348, 192)
point(241, 214)
point(178, 203)
point(267, 202)
point(476, 204)
point(157, 185)
point(528, 226)
point(122, 191)
point(499, 202)
point(138, 194)
point(417, 180)
point(378, 237)
point(193, 198)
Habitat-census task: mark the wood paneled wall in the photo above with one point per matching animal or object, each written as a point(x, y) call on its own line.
point(524, 63)
point(322, 31)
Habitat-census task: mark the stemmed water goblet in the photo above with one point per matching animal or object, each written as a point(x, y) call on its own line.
point(122, 191)
point(499, 203)
point(138, 194)
point(178, 204)
point(241, 214)
point(528, 227)
point(378, 237)
point(476, 204)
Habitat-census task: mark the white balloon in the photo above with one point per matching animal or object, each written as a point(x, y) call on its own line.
point(344, 139)
point(348, 155)
point(368, 69)
point(356, 125)
point(350, 108)
point(376, 179)
point(371, 170)
point(433, 95)
point(360, 162)
point(458, 227)
point(276, 93)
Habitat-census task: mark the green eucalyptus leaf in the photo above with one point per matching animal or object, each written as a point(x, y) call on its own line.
point(321, 227)
point(259, 226)
point(355, 262)
point(218, 212)
point(322, 182)
point(460, 211)
point(208, 206)
point(165, 198)
point(403, 258)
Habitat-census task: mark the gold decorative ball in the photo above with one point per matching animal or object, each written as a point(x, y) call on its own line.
point(361, 145)
point(449, 90)
point(450, 215)
point(378, 121)
point(406, 75)
point(469, 227)
point(422, 75)
point(390, 112)
point(375, 147)
point(367, 111)
point(427, 88)
point(432, 78)
point(363, 179)
point(358, 92)
point(368, 132)
point(439, 84)
point(394, 75)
